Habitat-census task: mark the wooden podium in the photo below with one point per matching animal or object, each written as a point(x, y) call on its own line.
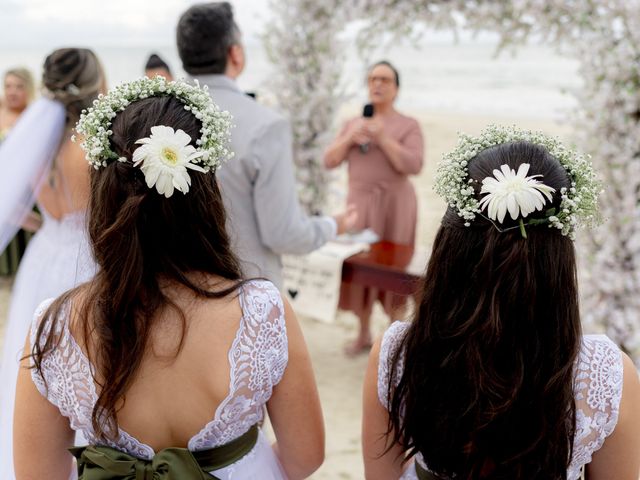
point(387, 266)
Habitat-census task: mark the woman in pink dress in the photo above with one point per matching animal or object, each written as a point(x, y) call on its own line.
point(382, 151)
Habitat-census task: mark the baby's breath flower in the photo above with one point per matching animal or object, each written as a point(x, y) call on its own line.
point(95, 122)
point(579, 203)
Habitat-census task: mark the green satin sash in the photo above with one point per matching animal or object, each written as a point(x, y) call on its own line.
point(423, 474)
point(106, 463)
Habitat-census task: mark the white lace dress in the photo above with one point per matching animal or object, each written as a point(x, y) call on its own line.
point(57, 259)
point(258, 357)
point(597, 386)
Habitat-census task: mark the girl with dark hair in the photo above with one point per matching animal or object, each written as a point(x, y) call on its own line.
point(39, 153)
point(493, 378)
point(166, 360)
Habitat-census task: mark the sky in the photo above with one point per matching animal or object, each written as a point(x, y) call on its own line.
point(56, 23)
point(53, 23)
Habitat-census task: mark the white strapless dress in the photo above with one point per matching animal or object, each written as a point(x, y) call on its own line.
point(57, 259)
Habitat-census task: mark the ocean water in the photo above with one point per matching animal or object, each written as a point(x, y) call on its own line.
point(441, 76)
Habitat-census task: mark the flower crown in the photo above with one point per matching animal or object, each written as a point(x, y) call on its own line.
point(166, 155)
point(515, 192)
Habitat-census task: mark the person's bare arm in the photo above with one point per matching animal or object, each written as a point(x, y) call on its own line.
point(619, 456)
point(41, 435)
point(294, 409)
point(378, 465)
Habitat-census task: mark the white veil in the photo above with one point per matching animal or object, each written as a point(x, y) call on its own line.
point(25, 158)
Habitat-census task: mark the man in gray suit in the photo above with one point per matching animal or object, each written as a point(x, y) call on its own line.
point(258, 185)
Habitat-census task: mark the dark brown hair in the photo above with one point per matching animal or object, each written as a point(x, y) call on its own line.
point(74, 77)
point(140, 238)
point(487, 387)
point(204, 35)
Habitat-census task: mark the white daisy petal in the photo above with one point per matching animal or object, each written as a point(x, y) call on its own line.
point(523, 169)
point(501, 209)
point(182, 138)
point(161, 132)
point(513, 205)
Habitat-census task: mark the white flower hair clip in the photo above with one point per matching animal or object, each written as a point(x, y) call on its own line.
point(514, 192)
point(166, 155)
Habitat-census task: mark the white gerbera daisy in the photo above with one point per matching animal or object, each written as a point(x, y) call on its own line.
point(515, 192)
point(165, 156)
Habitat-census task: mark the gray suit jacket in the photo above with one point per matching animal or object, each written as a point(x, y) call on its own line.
point(265, 219)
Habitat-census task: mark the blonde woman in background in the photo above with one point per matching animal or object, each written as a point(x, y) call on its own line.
point(19, 91)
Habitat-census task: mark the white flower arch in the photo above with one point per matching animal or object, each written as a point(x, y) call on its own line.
point(603, 34)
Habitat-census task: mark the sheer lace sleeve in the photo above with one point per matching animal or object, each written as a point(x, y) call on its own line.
point(38, 380)
point(390, 343)
point(598, 391)
point(66, 379)
point(258, 358)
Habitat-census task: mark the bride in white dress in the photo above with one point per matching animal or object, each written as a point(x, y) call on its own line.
point(167, 361)
point(58, 257)
point(493, 378)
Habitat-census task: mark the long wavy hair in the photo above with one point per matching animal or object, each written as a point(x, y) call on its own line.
point(487, 386)
point(140, 240)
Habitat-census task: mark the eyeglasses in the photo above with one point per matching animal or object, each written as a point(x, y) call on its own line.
point(382, 80)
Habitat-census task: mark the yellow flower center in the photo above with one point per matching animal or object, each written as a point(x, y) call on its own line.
point(170, 156)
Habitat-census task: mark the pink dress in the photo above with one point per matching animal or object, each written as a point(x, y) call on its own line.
point(385, 200)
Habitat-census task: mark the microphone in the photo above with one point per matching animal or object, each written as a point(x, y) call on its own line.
point(367, 112)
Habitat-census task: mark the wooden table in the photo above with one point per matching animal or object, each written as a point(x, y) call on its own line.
point(387, 266)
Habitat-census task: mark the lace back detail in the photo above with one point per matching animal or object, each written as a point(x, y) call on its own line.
point(258, 357)
point(390, 343)
point(598, 376)
point(598, 391)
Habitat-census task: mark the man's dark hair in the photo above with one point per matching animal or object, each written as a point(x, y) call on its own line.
point(156, 62)
point(205, 33)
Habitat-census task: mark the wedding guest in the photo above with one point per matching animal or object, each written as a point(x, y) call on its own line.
point(493, 378)
point(19, 91)
point(382, 151)
point(167, 359)
point(258, 187)
point(58, 256)
point(157, 66)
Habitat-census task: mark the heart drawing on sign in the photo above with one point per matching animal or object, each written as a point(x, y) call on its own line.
point(292, 293)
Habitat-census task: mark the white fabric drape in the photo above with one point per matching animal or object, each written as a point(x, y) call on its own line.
point(25, 157)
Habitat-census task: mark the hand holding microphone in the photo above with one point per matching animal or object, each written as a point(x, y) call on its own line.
point(367, 112)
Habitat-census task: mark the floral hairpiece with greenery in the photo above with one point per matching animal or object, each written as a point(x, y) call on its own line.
point(166, 155)
point(513, 191)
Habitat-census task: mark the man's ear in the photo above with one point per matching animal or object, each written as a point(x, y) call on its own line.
point(236, 55)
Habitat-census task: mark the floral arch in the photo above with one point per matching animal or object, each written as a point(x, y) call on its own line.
point(604, 35)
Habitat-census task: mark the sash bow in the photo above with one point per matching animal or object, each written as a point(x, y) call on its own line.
point(104, 463)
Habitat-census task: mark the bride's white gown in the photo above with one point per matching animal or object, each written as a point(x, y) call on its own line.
point(57, 258)
point(257, 357)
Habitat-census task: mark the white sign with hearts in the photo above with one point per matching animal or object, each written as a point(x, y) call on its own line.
point(312, 281)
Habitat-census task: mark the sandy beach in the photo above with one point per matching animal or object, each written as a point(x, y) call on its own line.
point(340, 379)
